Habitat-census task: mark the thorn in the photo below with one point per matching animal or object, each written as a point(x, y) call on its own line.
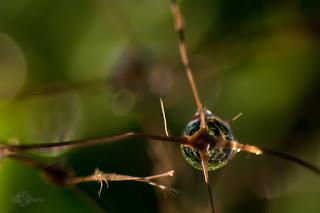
point(204, 161)
point(164, 117)
point(236, 117)
point(171, 173)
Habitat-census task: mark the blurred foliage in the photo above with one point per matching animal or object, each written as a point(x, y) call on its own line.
point(88, 68)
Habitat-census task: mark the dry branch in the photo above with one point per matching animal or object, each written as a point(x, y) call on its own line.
point(64, 176)
point(103, 178)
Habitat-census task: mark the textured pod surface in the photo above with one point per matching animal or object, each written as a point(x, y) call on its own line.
point(217, 157)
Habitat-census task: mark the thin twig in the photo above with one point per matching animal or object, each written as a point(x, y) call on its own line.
point(179, 27)
point(93, 142)
point(205, 161)
point(102, 178)
point(63, 177)
point(164, 117)
point(213, 209)
point(259, 151)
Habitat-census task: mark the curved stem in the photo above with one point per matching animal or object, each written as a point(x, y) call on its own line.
point(292, 159)
point(259, 150)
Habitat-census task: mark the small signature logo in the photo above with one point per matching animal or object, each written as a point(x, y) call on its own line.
point(25, 199)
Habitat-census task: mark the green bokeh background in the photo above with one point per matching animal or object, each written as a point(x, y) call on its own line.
point(87, 68)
